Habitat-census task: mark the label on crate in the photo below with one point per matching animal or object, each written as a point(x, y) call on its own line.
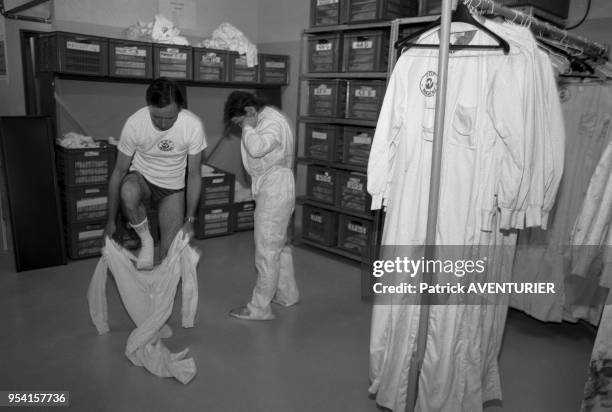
point(326, 2)
point(130, 51)
point(73, 45)
point(90, 234)
point(172, 54)
point(357, 228)
point(365, 91)
point(319, 135)
point(324, 47)
point(362, 138)
point(91, 154)
point(323, 90)
point(355, 184)
point(241, 61)
point(316, 218)
point(275, 65)
point(365, 44)
point(218, 180)
point(95, 201)
point(211, 58)
point(325, 178)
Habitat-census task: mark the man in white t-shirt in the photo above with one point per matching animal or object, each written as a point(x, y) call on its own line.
point(159, 145)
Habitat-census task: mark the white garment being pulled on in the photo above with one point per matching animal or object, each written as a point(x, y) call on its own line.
point(149, 297)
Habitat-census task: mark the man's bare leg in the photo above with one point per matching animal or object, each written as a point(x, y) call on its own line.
point(171, 211)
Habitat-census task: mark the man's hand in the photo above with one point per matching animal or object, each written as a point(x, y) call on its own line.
point(188, 228)
point(250, 120)
point(110, 229)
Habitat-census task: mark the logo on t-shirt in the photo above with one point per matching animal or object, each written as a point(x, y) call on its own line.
point(429, 84)
point(165, 145)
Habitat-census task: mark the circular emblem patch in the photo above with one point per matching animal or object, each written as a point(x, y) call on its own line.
point(165, 145)
point(429, 84)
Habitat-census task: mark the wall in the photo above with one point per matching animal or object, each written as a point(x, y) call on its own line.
point(598, 26)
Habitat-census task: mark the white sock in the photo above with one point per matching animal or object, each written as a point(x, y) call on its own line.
point(145, 257)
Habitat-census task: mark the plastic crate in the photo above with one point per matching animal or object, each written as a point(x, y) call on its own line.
point(365, 99)
point(366, 51)
point(355, 235)
point(324, 142)
point(72, 53)
point(352, 192)
point(239, 71)
point(327, 98)
point(217, 189)
point(325, 53)
point(320, 225)
point(273, 69)
point(84, 166)
point(130, 59)
point(321, 184)
point(327, 12)
point(210, 64)
point(357, 144)
point(373, 10)
point(84, 239)
point(243, 216)
point(84, 203)
point(127, 235)
point(214, 221)
point(172, 61)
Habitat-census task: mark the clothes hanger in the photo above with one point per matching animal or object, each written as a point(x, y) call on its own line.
point(460, 15)
point(577, 64)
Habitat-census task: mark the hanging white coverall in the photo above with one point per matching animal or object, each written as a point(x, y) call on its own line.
point(148, 297)
point(267, 155)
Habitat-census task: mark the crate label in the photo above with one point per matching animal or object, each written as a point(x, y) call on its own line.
point(211, 58)
point(316, 218)
point(96, 201)
point(326, 2)
point(323, 90)
point(324, 47)
point(367, 44)
point(365, 91)
point(172, 54)
point(241, 61)
point(130, 51)
point(355, 184)
point(319, 135)
point(73, 45)
point(325, 178)
point(90, 191)
point(362, 138)
point(90, 234)
point(275, 65)
point(218, 180)
point(91, 154)
point(357, 228)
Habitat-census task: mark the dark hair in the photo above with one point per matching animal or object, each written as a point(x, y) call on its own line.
point(162, 92)
point(237, 101)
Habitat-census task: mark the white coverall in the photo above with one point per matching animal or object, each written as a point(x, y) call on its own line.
point(267, 155)
point(149, 297)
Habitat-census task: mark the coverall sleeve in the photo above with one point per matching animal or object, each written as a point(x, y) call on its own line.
point(513, 122)
point(260, 141)
point(386, 136)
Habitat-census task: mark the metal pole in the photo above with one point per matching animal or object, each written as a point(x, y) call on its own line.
point(434, 197)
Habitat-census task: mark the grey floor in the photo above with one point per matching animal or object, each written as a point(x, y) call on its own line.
point(313, 357)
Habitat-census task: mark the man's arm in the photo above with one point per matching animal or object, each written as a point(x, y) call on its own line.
point(122, 166)
point(194, 185)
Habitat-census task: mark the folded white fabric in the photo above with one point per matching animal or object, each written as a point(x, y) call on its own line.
point(149, 297)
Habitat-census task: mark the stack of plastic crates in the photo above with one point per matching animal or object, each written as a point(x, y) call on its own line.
point(83, 177)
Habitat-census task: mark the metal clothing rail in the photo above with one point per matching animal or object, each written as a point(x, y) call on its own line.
point(541, 29)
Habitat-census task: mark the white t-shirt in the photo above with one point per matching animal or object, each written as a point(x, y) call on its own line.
point(161, 157)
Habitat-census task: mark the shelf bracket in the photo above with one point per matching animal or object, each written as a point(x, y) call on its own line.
point(14, 12)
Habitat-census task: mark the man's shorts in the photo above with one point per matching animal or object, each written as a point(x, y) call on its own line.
point(156, 193)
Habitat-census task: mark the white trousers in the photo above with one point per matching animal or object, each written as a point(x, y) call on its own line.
point(273, 257)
